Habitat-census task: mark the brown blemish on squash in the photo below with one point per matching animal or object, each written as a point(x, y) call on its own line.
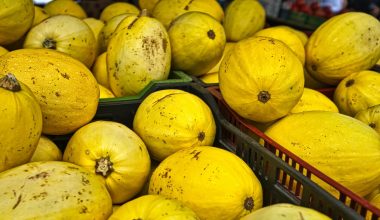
point(9, 82)
point(264, 96)
point(39, 175)
point(314, 67)
point(17, 202)
point(65, 75)
point(164, 44)
point(372, 125)
point(188, 5)
point(201, 136)
point(57, 94)
point(85, 181)
point(301, 216)
point(249, 204)
point(211, 34)
point(350, 82)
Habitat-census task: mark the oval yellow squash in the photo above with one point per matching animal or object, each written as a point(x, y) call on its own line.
point(16, 17)
point(21, 122)
point(227, 47)
point(301, 35)
point(95, 25)
point(168, 10)
point(39, 15)
point(312, 100)
point(263, 85)
point(117, 8)
point(370, 116)
point(333, 144)
point(105, 93)
point(147, 4)
point(138, 53)
point(65, 89)
point(357, 92)
point(214, 183)
point(210, 78)
point(284, 211)
point(114, 152)
point(65, 7)
point(171, 119)
point(197, 41)
point(3, 50)
point(342, 45)
point(243, 18)
point(99, 69)
point(46, 150)
point(53, 190)
point(66, 34)
point(153, 207)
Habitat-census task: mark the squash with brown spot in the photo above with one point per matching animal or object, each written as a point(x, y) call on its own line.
point(65, 89)
point(66, 34)
point(214, 183)
point(169, 120)
point(53, 190)
point(21, 122)
point(370, 116)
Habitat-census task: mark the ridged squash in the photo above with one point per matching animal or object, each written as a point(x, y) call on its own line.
point(66, 34)
point(147, 4)
point(357, 92)
point(53, 190)
point(168, 10)
point(3, 50)
point(65, 89)
point(214, 183)
point(117, 8)
point(21, 122)
point(95, 25)
point(107, 31)
point(153, 207)
point(210, 78)
point(138, 53)
point(99, 69)
point(370, 116)
point(227, 47)
point(342, 45)
point(16, 17)
point(301, 35)
point(171, 119)
point(284, 211)
point(261, 86)
point(39, 15)
point(243, 18)
point(197, 41)
point(312, 100)
point(65, 7)
point(286, 36)
point(333, 144)
point(105, 93)
point(46, 150)
point(115, 153)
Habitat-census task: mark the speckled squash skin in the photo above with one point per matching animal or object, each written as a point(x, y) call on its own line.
point(21, 122)
point(214, 183)
point(312, 100)
point(66, 34)
point(261, 86)
point(39, 15)
point(65, 7)
point(370, 116)
point(118, 8)
point(53, 190)
point(153, 207)
point(167, 10)
point(138, 52)
point(16, 17)
point(342, 45)
point(171, 119)
point(65, 89)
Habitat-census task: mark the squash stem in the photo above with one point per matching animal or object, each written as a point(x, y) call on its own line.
point(249, 204)
point(103, 166)
point(49, 44)
point(9, 82)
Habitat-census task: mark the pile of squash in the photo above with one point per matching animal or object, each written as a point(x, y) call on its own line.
point(56, 63)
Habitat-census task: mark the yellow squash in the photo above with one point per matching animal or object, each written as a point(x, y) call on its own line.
point(147, 4)
point(210, 78)
point(99, 69)
point(333, 144)
point(370, 116)
point(342, 45)
point(95, 25)
point(118, 8)
point(53, 190)
point(46, 150)
point(197, 41)
point(21, 122)
point(214, 183)
point(261, 86)
point(107, 31)
point(243, 18)
point(105, 93)
point(39, 15)
point(16, 17)
point(65, 89)
point(171, 119)
point(301, 35)
point(138, 53)
point(66, 34)
point(3, 50)
point(286, 36)
point(284, 211)
point(357, 92)
point(65, 7)
point(227, 47)
point(114, 152)
point(167, 11)
point(312, 100)
point(153, 207)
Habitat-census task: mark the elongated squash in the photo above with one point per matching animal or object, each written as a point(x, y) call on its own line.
point(370, 116)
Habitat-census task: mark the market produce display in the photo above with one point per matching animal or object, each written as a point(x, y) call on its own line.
point(83, 136)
